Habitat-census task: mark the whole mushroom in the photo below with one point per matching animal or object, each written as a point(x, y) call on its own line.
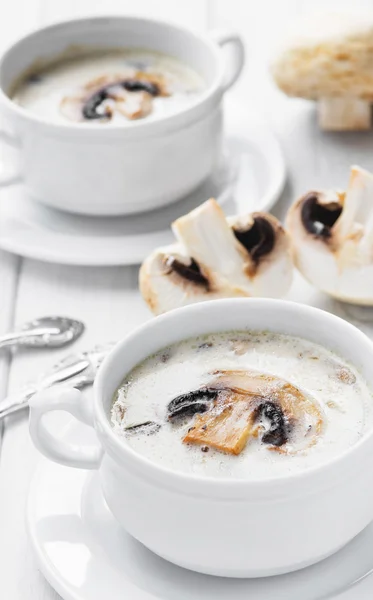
point(332, 239)
point(329, 59)
point(217, 258)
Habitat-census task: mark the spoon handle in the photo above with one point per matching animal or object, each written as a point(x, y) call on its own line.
point(19, 337)
point(17, 402)
point(77, 371)
point(9, 339)
point(67, 373)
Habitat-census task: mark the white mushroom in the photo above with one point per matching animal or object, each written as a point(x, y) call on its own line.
point(332, 239)
point(214, 258)
point(328, 58)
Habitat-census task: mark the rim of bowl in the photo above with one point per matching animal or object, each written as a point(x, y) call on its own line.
point(213, 482)
point(141, 125)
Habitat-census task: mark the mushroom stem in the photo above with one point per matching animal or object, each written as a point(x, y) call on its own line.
point(367, 241)
point(205, 234)
point(343, 114)
point(358, 205)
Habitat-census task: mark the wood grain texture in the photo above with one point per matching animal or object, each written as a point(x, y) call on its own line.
point(20, 18)
point(9, 269)
point(107, 299)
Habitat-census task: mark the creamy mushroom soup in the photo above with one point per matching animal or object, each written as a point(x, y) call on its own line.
point(245, 405)
point(108, 87)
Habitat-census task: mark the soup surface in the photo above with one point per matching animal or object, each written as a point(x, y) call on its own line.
point(108, 87)
point(246, 405)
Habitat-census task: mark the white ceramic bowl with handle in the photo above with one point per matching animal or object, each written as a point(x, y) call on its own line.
point(235, 528)
point(96, 170)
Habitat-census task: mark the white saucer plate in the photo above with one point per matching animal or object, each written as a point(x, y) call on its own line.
point(251, 176)
point(85, 555)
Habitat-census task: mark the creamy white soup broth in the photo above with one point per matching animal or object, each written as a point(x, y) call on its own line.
point(108, 87)
point(247, 405)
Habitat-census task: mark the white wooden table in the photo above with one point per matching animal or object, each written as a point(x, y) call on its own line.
point(106, 299)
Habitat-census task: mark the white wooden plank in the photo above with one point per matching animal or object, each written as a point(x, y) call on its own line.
point(20, 18)
point(9, 266)
point(108, 302)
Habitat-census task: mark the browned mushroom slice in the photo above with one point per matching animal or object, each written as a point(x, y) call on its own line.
point(237, 417)
point(296, 405)
point(134, 105)
point(156, 80)
point(227, 427)
point(129, 94)
point(251, 404)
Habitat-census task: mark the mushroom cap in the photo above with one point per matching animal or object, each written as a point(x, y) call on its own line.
point(332, 239)
point(328, 55)
point(214, 258)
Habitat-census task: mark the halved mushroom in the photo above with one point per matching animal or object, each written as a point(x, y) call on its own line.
point(332, 239)
point(169, 279)
point(217, 258)
point(130, 93)
point(328, 58)
point(250, 404)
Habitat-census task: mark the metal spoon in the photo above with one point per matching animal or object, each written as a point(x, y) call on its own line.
point(46, 332)
point(77, 370)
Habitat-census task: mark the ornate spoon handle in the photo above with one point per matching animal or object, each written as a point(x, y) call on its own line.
point(65, 374)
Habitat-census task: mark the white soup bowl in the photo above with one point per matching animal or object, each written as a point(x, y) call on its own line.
point(93, 169)
point(234, 528)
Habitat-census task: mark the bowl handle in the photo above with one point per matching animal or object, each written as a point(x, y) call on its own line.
point(65, 453)
point(235, 65)
point(8, 178)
